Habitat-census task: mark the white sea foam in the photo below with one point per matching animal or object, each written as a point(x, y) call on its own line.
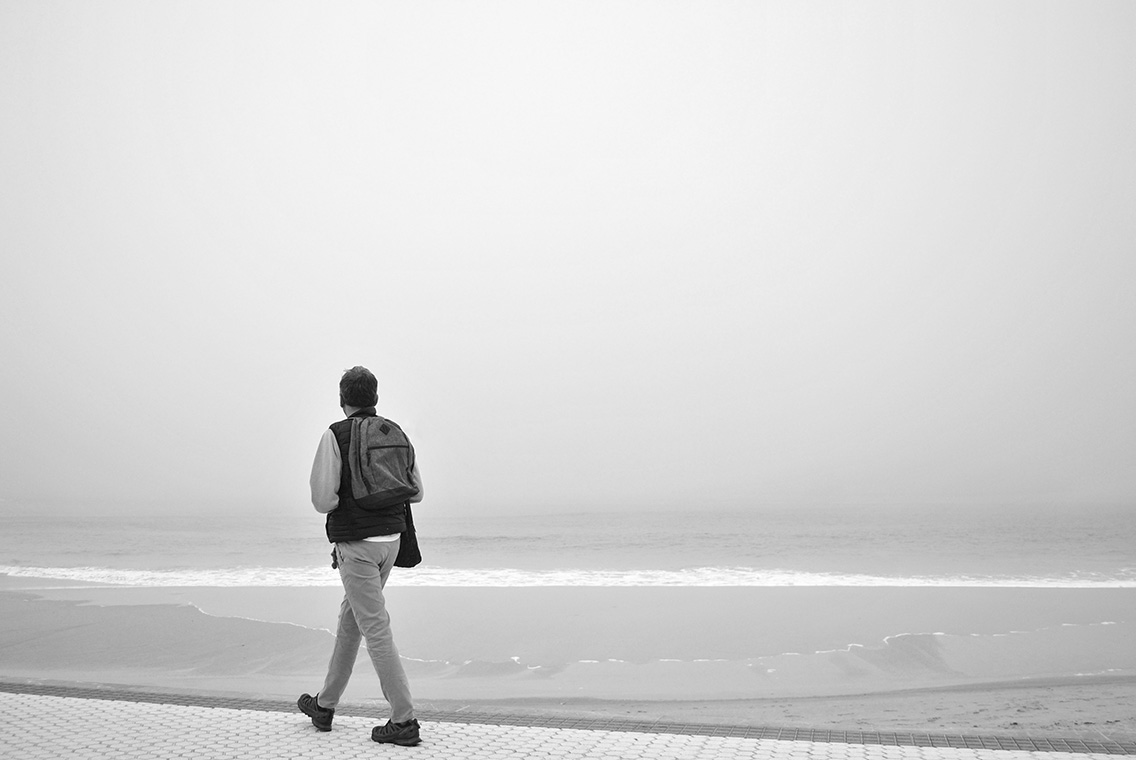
point(514, 578)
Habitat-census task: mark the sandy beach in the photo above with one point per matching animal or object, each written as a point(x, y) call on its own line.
point(978, 660)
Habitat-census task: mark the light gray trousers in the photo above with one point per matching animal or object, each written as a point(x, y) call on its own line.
point(363, 568)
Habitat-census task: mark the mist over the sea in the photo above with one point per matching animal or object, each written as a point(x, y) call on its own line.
point(618, 256)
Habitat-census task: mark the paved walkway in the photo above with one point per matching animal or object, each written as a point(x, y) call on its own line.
point(49, 722)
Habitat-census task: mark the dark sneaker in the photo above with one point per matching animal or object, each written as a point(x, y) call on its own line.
point(404, 734)
point(321, 716)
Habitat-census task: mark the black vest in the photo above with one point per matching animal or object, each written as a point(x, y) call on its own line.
point(349, 521)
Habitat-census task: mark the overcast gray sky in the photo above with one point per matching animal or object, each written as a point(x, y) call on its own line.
point(601, 255)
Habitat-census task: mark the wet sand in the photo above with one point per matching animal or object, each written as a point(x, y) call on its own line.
point(804, 657)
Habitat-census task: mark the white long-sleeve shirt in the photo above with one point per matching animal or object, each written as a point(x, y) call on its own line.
point(327, 470)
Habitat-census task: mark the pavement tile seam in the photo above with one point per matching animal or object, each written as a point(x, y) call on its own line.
point(676, 736)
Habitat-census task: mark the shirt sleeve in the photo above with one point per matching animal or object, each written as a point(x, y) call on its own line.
point(418, 482)
point(326, 470)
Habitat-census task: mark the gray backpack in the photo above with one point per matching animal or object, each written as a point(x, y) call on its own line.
point(381, 461)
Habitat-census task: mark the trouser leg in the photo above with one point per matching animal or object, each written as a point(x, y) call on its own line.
point(364, 567)
point(347, 638)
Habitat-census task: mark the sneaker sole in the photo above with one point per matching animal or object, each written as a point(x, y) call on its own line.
point(324, 728)
point(400, 742)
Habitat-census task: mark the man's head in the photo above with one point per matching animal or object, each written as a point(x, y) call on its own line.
point(358, 388)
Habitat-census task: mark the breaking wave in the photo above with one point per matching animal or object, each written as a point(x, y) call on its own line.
point(516, 578)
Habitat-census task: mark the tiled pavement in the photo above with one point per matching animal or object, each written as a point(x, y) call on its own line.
point(49, 721)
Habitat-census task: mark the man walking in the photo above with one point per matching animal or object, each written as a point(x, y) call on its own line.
point(366, 544)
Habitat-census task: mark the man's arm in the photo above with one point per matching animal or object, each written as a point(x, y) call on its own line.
point(326, 470)
point(418, 482)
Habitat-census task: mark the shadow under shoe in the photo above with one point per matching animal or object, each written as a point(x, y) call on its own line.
point(404, 734)
point(321, 716)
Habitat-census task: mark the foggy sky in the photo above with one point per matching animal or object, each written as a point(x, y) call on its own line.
point(601, 255)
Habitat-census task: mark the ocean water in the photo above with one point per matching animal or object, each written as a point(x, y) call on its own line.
point(994, 546)
point(701, 604)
